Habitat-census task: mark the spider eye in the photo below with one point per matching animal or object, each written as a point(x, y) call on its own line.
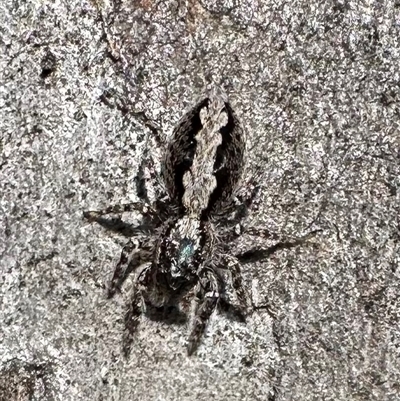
point(184, 258)
point(186, 251)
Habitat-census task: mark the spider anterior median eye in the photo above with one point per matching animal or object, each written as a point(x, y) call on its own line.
point(182, 263)
point(186, 251)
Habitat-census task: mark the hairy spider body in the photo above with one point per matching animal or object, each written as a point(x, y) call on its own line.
point(183, 256)
point(202, 166)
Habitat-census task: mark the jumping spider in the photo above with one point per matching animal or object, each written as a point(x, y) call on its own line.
point(183, 245)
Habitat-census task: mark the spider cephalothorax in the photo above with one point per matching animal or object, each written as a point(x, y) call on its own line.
point(182, 252)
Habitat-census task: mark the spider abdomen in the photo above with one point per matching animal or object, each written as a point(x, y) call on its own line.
point(204, 159)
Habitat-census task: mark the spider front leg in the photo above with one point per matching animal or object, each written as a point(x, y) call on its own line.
point(149, 222)
point(141, 207)
point(132, 257)
point(207, 294)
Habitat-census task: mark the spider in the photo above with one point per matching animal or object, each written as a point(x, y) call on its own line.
point(182, 249)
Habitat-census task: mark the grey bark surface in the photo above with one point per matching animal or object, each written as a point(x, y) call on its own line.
point(315, 84)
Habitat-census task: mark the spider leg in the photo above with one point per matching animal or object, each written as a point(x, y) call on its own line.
point(150, 221)
point(266, 234)
point(248, 194)
point(131, 321)
point(246, 201)
point(237, 209)
point(136, 308)
point(259, 232)
point(233, 233)
point(131, 258)
point(207, 293)
point(235, 282)
point(154, 212)
point(141, 207)
point(147, 171)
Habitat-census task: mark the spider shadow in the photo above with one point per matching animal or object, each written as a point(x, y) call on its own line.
point(172, 315)
point(259, 254)
point(169, 314)
point(232, 312)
